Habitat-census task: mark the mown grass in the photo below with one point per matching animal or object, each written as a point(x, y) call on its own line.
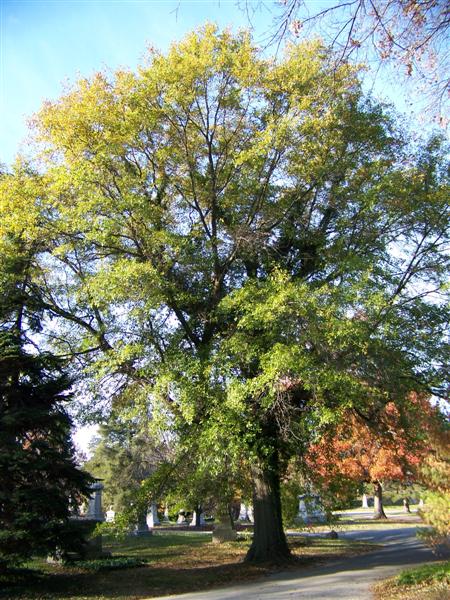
point(362, 524)
point(428, 582)
point(347, 520)
point(174, 563)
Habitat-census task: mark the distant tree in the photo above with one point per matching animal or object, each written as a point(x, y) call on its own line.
point(124, 456)
point(200, 480)
point(387, 447)
point(40, 482)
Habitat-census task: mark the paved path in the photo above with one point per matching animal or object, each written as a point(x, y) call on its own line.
point(346, 579)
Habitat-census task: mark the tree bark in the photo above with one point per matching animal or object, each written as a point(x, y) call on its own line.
point(269, 541)
point(378, 502)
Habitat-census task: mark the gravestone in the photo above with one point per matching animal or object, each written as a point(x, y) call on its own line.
point(181, 517)
point(152, 516)
point(309, 509)
point(223, 528)
point(94, 509)
point(110, 515)
point(250, 514)
point(141, 527)
point(193, 523)
point(243, 513)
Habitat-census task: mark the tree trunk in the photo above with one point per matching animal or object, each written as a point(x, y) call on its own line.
point(269, 541)
point(378, 502)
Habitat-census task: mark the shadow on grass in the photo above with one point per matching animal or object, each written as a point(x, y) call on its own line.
point(141, 582)
point(193, 566)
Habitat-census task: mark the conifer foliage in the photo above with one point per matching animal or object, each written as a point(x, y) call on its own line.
point(39, 479)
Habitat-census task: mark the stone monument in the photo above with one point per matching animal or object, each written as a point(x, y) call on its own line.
point(141, 527)
point(181, 518)
point(94, 509)
point(166, 518)
point(309, 509)
point(193, 523)
point(223, 527)
point(243, 513)
point(152, 516)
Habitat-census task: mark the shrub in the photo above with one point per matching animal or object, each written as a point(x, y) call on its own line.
point(425, 574)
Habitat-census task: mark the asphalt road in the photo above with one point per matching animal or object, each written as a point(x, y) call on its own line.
point(346, 579)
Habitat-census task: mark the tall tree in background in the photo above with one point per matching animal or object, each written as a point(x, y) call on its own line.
point(250, 243)
point(39, 480)
point(124, 456)
point(386, 446)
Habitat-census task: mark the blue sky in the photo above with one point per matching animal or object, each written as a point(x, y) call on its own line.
point(44, 43)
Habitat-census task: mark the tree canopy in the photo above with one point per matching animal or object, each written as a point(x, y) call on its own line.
point(242, 249)
point(390, 447)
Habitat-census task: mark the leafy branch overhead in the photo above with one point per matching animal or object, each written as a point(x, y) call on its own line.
point(410, 35)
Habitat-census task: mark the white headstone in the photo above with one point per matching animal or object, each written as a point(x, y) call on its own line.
point(250, 513)
point(364, 501)
point(152, 516)
point(309, 509)
point(181, 518)
point(243, 513)
point(194, 519)
point(166, 515)
point(110, 515)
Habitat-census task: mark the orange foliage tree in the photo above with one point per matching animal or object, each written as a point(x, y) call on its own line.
point(387, 445)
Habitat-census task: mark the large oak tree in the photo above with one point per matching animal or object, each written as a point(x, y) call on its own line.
point(249, 243)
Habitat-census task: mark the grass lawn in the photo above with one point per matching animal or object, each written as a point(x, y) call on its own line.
point(348, 520)
point(174, 563)
point(429, 582)
point(392, 508)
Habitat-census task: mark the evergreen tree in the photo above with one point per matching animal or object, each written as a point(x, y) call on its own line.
point(40, 482)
